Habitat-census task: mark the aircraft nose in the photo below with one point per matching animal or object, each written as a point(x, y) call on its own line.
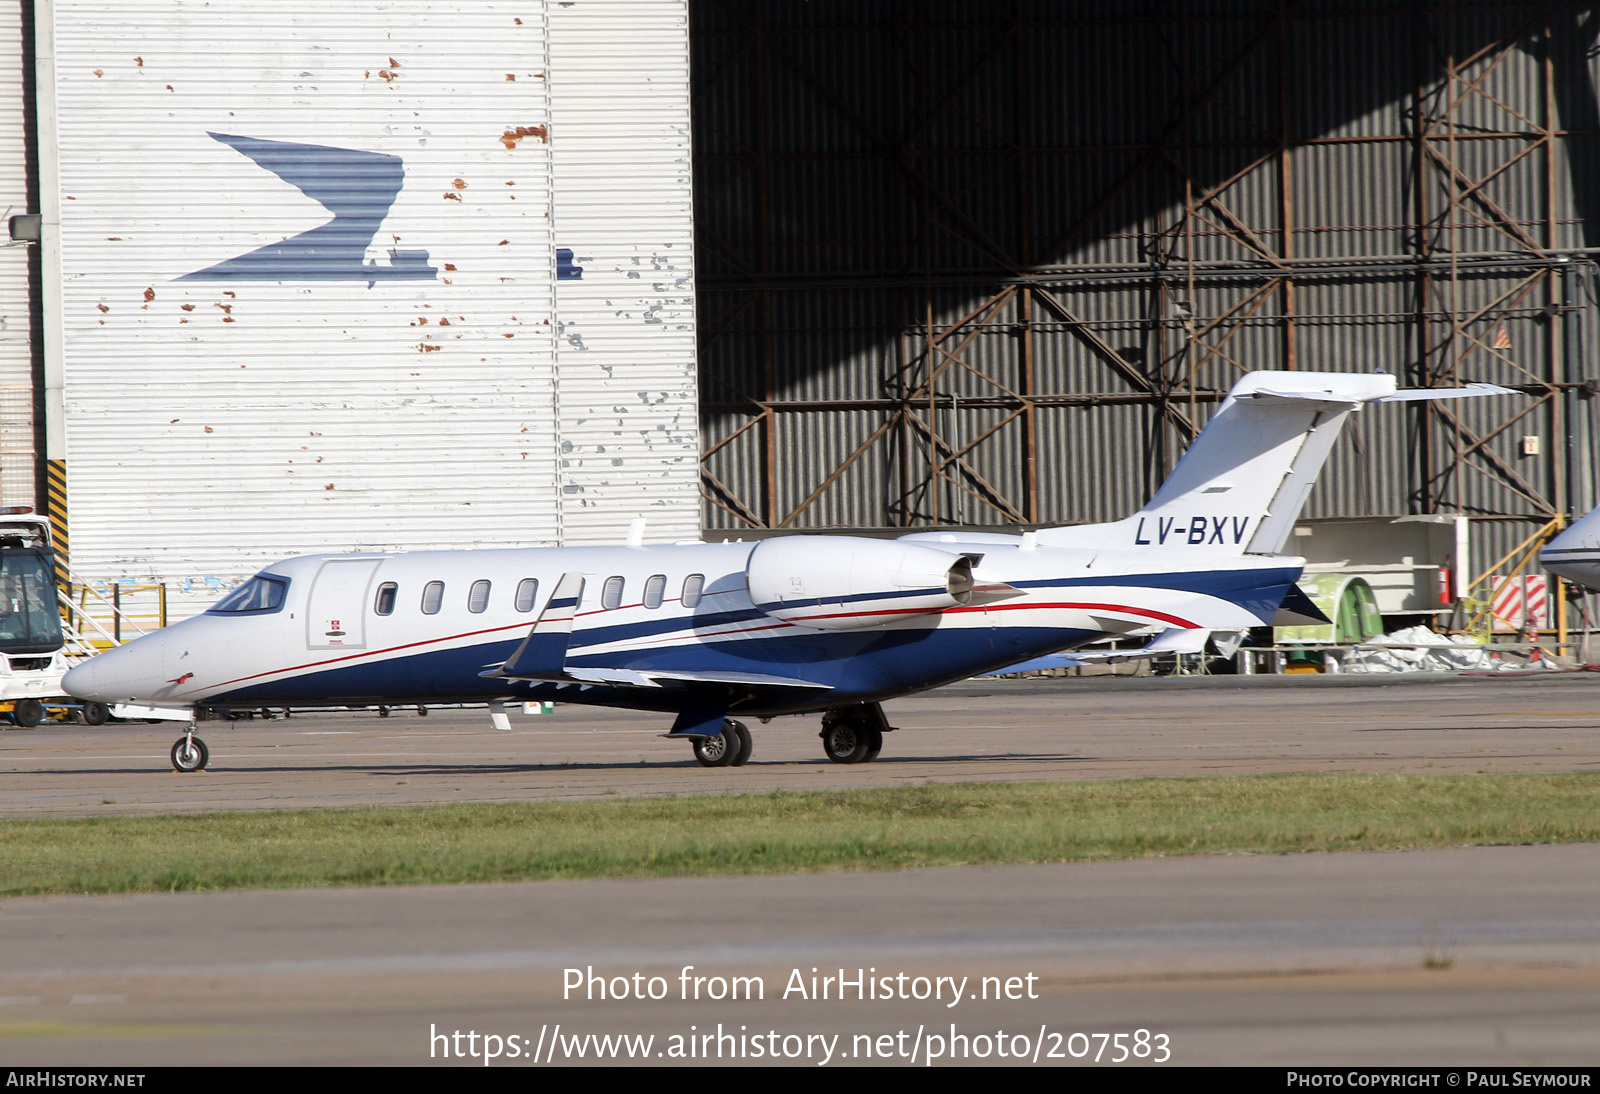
point(79, 681)
point(128, 672)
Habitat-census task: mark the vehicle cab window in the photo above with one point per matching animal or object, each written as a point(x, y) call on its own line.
point(30, 619)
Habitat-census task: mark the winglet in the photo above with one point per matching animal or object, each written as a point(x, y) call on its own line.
point(544, 651)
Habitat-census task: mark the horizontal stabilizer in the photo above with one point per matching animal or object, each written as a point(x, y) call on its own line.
point(1334, 397)
point(1297, 398)
point(1471, 391)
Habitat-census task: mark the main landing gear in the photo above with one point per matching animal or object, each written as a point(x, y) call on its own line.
point(854, 735)
point(189, 753)
point(730, 748)
point(850, 735)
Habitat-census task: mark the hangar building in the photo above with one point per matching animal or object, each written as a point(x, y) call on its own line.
point(966, 263)
point(994, 263)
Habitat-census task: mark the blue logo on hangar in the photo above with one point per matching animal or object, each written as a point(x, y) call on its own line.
point(356, 187)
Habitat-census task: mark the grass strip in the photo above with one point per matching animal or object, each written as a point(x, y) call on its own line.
point(787, 831)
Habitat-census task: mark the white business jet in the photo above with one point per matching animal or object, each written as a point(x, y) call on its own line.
point(706, 632)
point(1575, 553)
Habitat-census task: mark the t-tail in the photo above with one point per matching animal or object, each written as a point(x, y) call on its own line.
point(1241, 485)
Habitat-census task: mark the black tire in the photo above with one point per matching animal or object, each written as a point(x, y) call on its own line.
point(846, 741)
point(747, 743)
point(185, 758)
point(874, 746)
point(718, 751)
point(96, 714)
point(27, 713)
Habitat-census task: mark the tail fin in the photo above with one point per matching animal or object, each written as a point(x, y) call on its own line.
point(1242, 483)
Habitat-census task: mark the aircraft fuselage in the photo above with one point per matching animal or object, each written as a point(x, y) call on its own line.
point(426, 626)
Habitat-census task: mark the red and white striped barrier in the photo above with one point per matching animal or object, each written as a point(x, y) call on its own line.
point(1520, 603)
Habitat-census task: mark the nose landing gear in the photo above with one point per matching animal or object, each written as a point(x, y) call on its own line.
point(189, 753)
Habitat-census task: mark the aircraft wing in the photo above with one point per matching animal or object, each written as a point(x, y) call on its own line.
point(714, 677)
point(651, 678)
point(542, 656)
point(1171, 640)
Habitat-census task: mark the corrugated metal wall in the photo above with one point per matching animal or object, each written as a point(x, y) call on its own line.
point(17, 452)
point(990, 263)
point(311, 261)
point(624, 209)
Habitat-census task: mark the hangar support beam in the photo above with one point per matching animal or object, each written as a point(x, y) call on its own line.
point(994, 266)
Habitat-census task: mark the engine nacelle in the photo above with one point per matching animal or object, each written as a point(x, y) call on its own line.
point(846, 583)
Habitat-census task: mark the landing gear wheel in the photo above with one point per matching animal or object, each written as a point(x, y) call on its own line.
point(847, 741)
point(190, 754)
point(96, 714)
point(874, 746)
point(718, 751)
point(27, 713)
point(854, 734)
point(746, 742)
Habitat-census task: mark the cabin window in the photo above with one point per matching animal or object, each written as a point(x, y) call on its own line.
point(692, 585)
point(432, 597)
point(611, 594)
point(478, 596)
point(654, 589)
point(259, 594)
point(384, 604)
point(527, 594)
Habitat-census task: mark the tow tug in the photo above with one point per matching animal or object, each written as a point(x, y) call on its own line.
point(33, 655)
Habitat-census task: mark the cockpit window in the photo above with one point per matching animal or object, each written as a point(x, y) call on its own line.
point(260, 594)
